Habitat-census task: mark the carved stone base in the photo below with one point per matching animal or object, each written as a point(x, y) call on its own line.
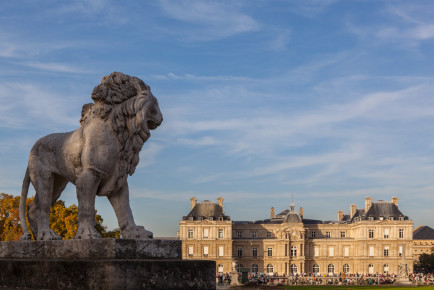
point(403, 282)
point(102, 264)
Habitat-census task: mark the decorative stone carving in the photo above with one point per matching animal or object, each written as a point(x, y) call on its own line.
point(97, 158)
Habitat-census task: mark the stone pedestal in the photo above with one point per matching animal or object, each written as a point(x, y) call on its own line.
point(102, 264)
point(234, 278)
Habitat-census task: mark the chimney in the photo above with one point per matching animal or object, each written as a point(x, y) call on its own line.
point(353, 209)
point(395, 200)
point(368, 203)
point(300, 212)
point(340, 215)
point(192, 202)
point(272, 213)
point(220, 203)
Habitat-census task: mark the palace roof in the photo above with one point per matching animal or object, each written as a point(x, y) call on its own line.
point(423, 233)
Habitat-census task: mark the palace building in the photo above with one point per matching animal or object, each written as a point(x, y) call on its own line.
point(367, 240)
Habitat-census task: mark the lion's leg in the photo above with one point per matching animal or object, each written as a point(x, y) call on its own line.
point(59, 185)
point(39, 211)
point(121, 205)
point(87, 185)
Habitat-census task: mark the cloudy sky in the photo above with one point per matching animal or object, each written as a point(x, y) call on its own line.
point(328, 101)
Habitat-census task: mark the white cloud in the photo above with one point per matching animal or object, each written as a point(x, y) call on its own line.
point(210, 20)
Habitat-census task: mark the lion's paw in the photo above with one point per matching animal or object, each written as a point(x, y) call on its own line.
point(87, 233)
point(26, 237)
point(136, 232)
point(144, 234)
point(47, 235)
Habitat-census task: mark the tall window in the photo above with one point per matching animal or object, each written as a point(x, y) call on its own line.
point(371, 251)
point(331, 251)
point(190, 233)
point(346, 268)
point(270, 252)
point(343, 234)
point(255, 268)
point(205, 233)
point(270, 268)
point(254, 234)
point(313, 234)
point(220, 268)
point(293, 269)
point(315, 268)
point(386, 251)
point(238, 234)
point(293, 251)
point(400, 251)
point(240, 252)
point(371, 233)
point(401, 233)
point(346, 251)
point(220, 234)
point(190, 251)
point(385, 268)
point(238, 267)
point(316, 251)
point(255, 252)
point(328, 234)
point(386, 233)
point(331, 268)
point(371, 269)
point(205, 251)
point(221, 251)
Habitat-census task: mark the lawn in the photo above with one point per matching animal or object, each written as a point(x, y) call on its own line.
point(357, 287)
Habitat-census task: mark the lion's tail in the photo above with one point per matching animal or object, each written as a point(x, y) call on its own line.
point(24, 191)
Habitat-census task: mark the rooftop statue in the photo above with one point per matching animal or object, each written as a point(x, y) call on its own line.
point(97, 158)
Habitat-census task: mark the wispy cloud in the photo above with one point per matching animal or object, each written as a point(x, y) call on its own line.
point(24, 104)
point(209, 20)
point(173, 76)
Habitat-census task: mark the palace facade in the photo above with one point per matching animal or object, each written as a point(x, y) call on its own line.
point(367, 240)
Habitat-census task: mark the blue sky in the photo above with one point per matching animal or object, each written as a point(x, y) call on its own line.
point(329, 101)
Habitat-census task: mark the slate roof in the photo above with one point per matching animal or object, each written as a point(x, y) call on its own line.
point(205, 210)
point(423, 233)
point(383, 209)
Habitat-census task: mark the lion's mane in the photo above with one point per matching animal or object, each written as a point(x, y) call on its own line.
point(117, 100)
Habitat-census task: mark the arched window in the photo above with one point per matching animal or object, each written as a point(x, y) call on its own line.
point(293, 268)
point(331, 268)
point(386, 268)
point(270, 268)
point(371, 269)
point(315, 268)
point(220, 268)
point(346, 268)
point(239, 266)
point(255, 268)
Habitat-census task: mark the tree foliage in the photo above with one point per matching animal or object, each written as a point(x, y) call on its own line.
point(63, 220)
point(426, 262)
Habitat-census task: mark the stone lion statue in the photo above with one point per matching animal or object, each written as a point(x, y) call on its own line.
point(97, 158)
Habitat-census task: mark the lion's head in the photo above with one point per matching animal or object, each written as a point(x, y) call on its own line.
point(131, 109)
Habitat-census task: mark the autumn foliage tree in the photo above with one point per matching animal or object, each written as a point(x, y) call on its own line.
point(63, 220)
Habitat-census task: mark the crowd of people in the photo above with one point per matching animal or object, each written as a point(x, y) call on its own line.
point(330, 279)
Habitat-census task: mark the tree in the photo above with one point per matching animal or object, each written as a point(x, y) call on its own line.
point(425, 262)
point(63, 220)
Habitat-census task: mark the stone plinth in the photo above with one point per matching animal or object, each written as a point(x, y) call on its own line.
point(102, 264)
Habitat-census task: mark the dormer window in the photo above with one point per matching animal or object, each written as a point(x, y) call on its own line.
point(190, 218)
point(200, 219)
point(210, 218)
point(371, 218)
point(381, 218)
point(221, 218)
point(391, 218)
point(401, 218)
